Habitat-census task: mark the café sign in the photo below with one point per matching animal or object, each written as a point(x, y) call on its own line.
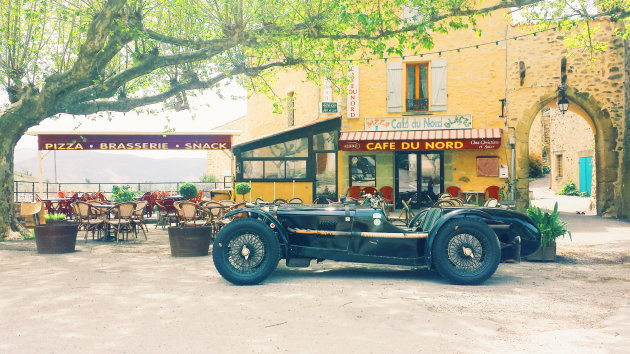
point(134, 142)
point(411, 145)
point(429, 122)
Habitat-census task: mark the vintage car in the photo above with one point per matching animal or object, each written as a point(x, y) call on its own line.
point(464, 244)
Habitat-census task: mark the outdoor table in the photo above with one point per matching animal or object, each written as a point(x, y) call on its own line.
point(468, 195)
point(104, 209)
point(174, 197)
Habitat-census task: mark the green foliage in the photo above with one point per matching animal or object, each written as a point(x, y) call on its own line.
point(535, 166)
point(243, 188)
point(208, 178)
point(546, 169)
point(188, 190)
point(549, 224)
point(571, 189)
point(123, 194)
point(55, 217)
point(506, 188)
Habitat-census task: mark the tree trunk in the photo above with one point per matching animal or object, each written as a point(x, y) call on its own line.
point(8, 222)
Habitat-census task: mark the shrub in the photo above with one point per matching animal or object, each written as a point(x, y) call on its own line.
point(55, 217)
point(571, 189)
point(550, 225)
point(123, 194)
point(243, 188)
point(535, 166)
point(188, 191)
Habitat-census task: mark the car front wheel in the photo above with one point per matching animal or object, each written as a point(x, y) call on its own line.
point(466, 252)
point(246, 252)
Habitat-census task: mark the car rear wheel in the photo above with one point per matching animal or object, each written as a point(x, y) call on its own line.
point(466, 252)
point(246, 252)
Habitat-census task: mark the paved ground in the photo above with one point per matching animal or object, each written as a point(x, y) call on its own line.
point(134, 297)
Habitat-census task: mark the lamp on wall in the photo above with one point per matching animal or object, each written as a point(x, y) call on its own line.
point(563, 103)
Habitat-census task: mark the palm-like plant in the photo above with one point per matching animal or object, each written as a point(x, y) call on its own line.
point(549, 224)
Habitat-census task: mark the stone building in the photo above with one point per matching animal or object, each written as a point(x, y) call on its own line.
point(490, 88)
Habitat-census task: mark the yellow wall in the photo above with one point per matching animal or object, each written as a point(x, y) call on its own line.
point(284, 190)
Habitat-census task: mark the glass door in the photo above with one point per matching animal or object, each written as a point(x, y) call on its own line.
point(418, 178)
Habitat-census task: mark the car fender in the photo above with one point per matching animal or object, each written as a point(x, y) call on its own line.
point(278, 228)
point(456, 214)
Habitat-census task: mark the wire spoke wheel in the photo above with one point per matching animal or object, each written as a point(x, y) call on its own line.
point(465, 252)
point(245, 252)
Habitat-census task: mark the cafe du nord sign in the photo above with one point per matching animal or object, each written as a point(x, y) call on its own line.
point(459, 121)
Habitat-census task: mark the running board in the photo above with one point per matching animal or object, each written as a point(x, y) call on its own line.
point(417, 235)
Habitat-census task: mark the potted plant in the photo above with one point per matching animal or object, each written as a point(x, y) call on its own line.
point(189, 241)
point(551, 227)
point(188, 191)
point(242, 189)
point(57, 235)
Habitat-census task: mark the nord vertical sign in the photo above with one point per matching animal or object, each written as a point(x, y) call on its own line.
point(353, 93)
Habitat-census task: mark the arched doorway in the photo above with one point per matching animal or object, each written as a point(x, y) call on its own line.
point(561, 161)
point(606, 158)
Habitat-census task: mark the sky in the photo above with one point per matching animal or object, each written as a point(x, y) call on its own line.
point(207, 111)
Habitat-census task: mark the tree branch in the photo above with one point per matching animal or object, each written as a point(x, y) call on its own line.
point(127, 104)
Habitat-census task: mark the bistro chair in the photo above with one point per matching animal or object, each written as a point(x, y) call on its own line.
point(87, 219)
point(138, 217)
point(353, 193)
point(121, 219)
point(405, 214)
point(214, 215)
point(295, 200)
point(369, 190)
point(386, 192)
point(187, 213)
point(30, 212)
point(491, 203)
point(279, 201)
point(492, 192)
point(454, 191)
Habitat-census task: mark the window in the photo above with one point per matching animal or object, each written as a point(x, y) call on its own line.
point(559, 165)
point(286, 160)
point(417, 94)
point(363, 171)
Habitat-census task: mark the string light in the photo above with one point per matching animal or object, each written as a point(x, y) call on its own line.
point(421, 55)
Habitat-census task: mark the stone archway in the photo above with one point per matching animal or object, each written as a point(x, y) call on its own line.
point(607, 159)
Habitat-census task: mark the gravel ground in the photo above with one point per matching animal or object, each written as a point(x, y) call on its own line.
point(133, 297)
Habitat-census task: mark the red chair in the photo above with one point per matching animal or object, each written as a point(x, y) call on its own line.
point(61, 194)
point(386, 192)
point(369, 190)
point(492, 192)
point(454, 191)
point(353, 192)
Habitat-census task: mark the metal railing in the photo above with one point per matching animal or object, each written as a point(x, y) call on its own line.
point(24, 191)
point(421, 104)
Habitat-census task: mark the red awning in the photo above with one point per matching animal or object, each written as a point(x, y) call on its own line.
point(456, 139)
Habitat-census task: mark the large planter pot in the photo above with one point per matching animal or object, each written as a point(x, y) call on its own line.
point(56, 237)
point(546, 255)
point(189, 241)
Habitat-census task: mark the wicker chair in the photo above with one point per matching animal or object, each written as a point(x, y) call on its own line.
point(138, 217)
point(88, 219)
point(122, 219)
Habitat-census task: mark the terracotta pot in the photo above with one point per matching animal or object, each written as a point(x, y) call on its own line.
point(548, 255)
point(56, 237)
point(191, 241)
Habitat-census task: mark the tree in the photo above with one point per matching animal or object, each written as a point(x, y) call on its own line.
point(88, 57)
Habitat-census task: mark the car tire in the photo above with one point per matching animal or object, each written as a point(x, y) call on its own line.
point(466, 252)
point(246, 251)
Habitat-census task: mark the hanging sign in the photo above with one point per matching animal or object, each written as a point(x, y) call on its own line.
point(459, 121)
point(353, 93)
point(328, 107)
point(412, 145)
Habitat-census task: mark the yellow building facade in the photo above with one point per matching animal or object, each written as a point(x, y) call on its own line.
point(459, 116)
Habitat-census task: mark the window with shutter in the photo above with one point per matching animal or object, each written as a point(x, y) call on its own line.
point(417, 97)
point(394, 87)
